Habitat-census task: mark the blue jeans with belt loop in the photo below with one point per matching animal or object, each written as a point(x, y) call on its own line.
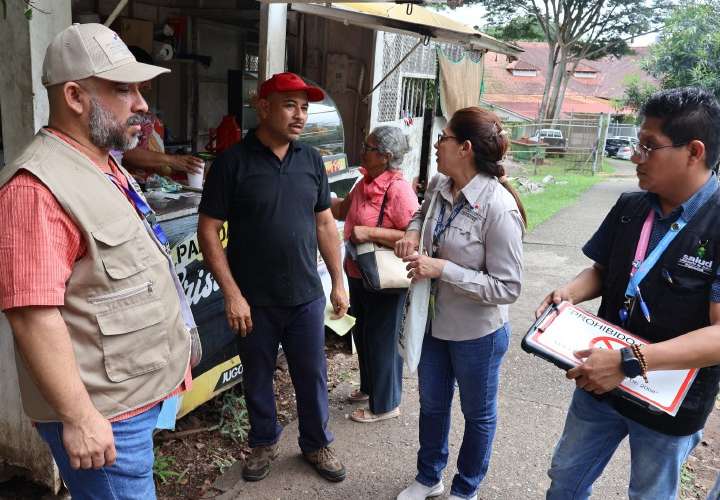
point(475, 365)
point(129, 478)
point(593, 430)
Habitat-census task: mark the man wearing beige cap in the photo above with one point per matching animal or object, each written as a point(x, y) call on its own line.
point(101, 326)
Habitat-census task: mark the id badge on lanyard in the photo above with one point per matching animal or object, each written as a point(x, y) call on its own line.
point(145, 212)
point(641, 266)
point(438, 233)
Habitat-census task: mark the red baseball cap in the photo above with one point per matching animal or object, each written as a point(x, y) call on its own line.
point(290, 82)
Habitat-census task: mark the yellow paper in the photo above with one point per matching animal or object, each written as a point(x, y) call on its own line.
point(339, 325)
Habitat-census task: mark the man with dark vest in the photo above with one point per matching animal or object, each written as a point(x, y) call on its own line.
point(673, 303)
point(101, 327)
point(273, 192)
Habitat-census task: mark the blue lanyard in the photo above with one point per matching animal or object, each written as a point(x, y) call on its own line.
point(144, 210)
point(651, 260)
point(441, 227)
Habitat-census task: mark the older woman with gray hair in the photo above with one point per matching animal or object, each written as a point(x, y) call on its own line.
point(378, 314)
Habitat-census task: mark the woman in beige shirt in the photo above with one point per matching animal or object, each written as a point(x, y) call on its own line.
point(472, 252)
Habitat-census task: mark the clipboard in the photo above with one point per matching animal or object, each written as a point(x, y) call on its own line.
point(562, 329)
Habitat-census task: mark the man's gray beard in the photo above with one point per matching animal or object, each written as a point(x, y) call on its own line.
point(108, 133)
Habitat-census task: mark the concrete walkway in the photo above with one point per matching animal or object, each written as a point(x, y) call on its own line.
point(534, 395)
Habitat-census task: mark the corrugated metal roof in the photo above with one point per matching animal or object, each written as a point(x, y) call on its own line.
point(400, 18)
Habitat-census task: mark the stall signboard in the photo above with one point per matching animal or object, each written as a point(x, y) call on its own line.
point(220, 367)
point(335, 163)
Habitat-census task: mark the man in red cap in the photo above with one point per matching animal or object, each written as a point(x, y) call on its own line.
point(273, 192)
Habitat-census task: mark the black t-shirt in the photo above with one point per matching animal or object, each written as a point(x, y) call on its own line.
point(270, 205)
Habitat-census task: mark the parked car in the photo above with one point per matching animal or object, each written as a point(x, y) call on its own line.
point(624, 153)
point(614, 144)
point(552, 137)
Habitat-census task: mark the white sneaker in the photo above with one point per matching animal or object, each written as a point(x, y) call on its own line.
point(417, 491)
point(455, 497)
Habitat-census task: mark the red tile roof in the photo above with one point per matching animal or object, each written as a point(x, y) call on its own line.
point(521, 65)
point(522, 94)
point(528, 105)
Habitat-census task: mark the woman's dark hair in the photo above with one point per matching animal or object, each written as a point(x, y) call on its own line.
point(484, 131)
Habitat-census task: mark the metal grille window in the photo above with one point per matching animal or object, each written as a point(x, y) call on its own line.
point(414, 93)
point(420, 63)
point(252, 63)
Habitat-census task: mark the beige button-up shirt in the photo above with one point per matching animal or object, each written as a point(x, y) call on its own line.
point(483, 247)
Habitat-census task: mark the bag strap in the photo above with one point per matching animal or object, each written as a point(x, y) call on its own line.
point(427, 218)
point(381, 215)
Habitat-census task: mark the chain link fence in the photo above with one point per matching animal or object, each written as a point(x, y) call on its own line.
point(622, 129)
point(573, 144)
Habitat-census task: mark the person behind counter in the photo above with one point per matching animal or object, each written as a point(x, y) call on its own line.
point(273, 192)
point(472, 252)
point(378, 314)
point(100, 328)
point(149, 156)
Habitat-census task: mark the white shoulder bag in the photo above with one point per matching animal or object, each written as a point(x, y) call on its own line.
point(415, 315)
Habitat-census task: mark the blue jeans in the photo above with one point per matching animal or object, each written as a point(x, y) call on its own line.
point(593, 431)
point(475, 365)
point(129, 478)
point(301, 330)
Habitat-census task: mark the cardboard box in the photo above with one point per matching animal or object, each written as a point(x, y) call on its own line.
point(136, 32)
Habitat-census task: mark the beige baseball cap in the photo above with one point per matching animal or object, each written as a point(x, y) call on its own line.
point(84, 50)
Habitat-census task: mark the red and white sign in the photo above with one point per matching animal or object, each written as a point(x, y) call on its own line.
point(572, 329)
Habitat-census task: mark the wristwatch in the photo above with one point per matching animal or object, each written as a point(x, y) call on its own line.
point(630, 365)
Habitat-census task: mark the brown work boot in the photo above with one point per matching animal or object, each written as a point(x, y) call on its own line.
point(257, 464)
point(327, 464)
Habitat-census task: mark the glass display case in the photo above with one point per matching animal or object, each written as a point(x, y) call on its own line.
point(324, 128)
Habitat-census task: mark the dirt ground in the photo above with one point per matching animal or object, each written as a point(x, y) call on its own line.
point(190, 459)
point(703, 466)
point(194, 460)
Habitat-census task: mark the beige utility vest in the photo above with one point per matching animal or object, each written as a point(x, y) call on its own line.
point(121, 306)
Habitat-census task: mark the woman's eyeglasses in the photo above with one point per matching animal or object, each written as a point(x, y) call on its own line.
point(367, 147)
point(442, 137)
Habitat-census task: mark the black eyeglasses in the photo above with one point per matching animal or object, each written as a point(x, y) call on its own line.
point(642, 152)
point(442, 137)
point(366, 147)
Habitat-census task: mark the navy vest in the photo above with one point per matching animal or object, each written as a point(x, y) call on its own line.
point(677, 292)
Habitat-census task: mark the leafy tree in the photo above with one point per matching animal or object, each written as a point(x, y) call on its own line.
point(636, 93)
point(688, 49)
point(576, 30)
point(29, 6)
point(524, 28)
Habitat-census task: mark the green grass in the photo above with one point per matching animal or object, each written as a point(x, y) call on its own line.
point(234, 422)
point(541, 206)
point(164, 467)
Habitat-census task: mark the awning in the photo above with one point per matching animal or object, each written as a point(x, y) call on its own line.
point(408, 19)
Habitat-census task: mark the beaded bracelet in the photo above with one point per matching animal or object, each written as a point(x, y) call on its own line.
point(641, 357)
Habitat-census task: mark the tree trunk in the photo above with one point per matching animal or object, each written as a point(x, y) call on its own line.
point(561, 96)
point(560, 74)
point(549, 75)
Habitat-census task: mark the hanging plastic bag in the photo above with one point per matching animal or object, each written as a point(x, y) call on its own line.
point(415, 314)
